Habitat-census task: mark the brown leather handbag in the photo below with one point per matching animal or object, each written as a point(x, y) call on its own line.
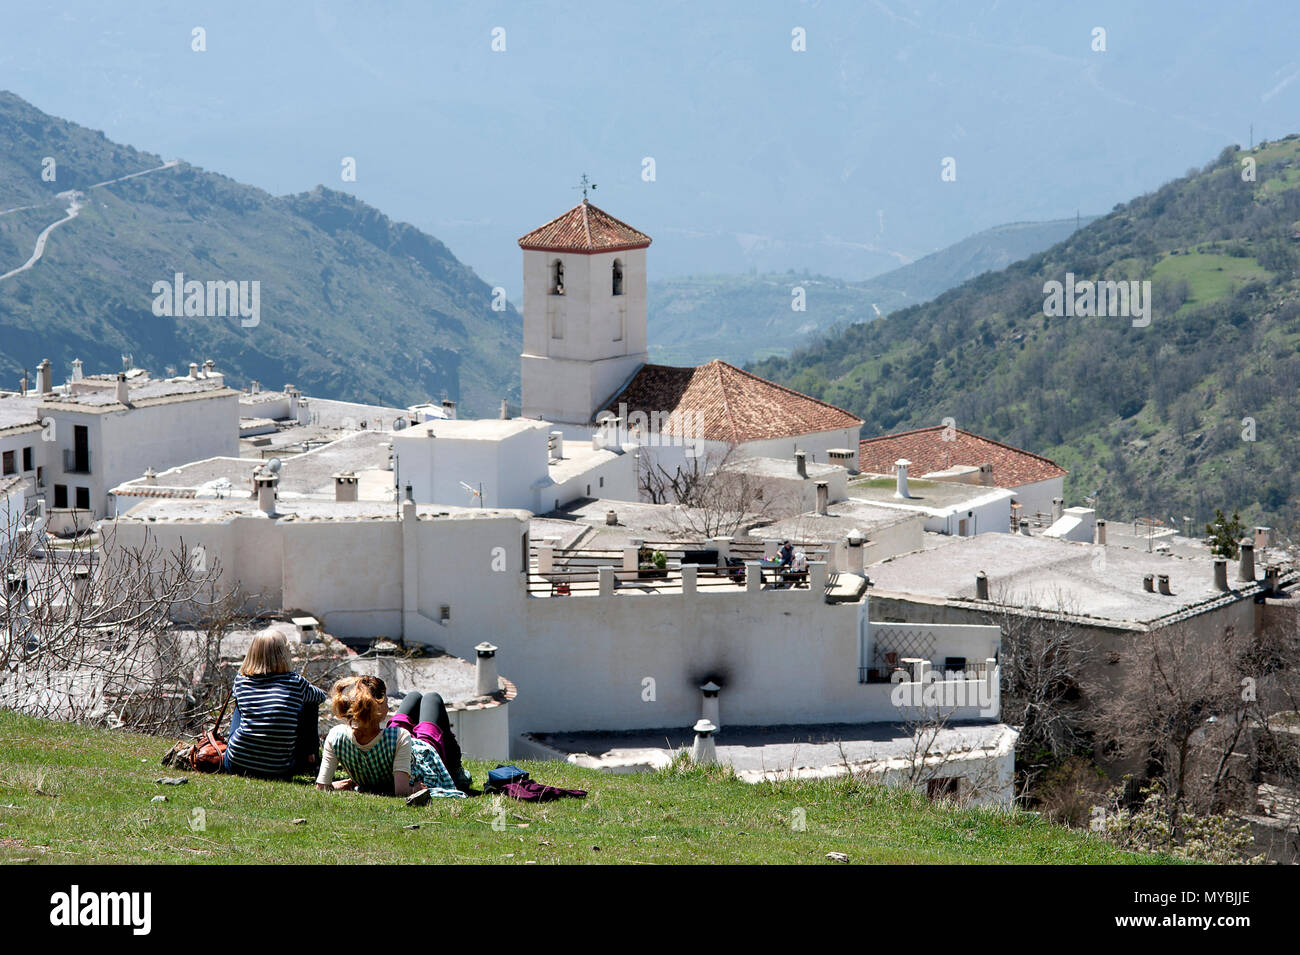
point(207, 753)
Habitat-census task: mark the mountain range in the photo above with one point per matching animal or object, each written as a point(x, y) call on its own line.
point(352, 304)
point(1192, 409)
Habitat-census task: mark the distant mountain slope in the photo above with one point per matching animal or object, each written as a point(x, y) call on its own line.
point(740, 318)
point(352, 304)
point(1195, 411)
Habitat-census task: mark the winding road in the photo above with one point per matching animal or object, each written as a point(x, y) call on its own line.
point(76, 202)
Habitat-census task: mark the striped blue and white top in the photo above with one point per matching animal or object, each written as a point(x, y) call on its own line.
point(269, 705)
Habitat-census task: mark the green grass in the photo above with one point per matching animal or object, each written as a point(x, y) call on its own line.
point(1209, 277)
point(74, 795)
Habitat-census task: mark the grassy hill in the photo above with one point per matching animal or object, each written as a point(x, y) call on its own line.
point(353, 305)
point(72, 795)
point(1155, 420)
point(741, 318)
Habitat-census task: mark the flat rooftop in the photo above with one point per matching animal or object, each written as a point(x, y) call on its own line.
point(756, 752)
point(475, 429)
point(929, 495)
point(840, 518)
point(579, 458)
point(168, 510)
point(311, 473)
point(784, 468)
point(1104, 583)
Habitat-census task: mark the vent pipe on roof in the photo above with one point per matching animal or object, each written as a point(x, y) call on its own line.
point(705, 750)
point(801, 464)
point(1221, 574)
point(982, 585)
point(1164, 585)
point(1247, 571)
point(823, 497)
point(900, 468)
point(485, 670)
point(22, 383)
point(709, 704)
point(505, 411)
point(1101, 533)
point(1149, 583)
point(123, 389)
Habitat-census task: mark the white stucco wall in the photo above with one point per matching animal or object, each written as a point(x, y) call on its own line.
point(1037, 497)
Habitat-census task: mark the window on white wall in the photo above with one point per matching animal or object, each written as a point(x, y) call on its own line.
point(557, 277)
point(616, 277)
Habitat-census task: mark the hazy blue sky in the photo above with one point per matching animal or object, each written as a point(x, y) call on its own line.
point(826, 160)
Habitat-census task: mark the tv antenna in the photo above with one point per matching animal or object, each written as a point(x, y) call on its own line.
point(584, 184)
point(474, 492)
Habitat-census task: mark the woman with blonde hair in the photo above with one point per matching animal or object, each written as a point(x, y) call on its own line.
point(273, 727)
point(381, 759)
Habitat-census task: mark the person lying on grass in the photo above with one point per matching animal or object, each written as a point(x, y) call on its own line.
point(386, 760)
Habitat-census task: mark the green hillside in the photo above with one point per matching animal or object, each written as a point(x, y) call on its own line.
point(73, 795)
point(741, 318)
point(353, 305)
point(1156, 420)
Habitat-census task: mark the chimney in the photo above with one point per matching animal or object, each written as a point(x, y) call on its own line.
point(254, 387)
point(80, 584)
point(1221, 574)
point(611, 517)
point(900, 466)
point(345, 486)
point(986, 475)
point(705, 750)
point(1272, 574)
point(1247, 572)
point(1101, 533)
point(1148, 583)
point(123, 389)
point(1058, 507)
point(485, 670)
point(265, 482)
point(76, 369)
point(709, 707)
point(555, 446)
point(801, 464)
point(1262, 535)
point(22, 383)
point(505, 411)
point(449, 409)
point(1164, 585)
point(150, 476)
point(982, 586)
point(823, 497)
point(209, 367)
point(44, 377)
point(194, 370)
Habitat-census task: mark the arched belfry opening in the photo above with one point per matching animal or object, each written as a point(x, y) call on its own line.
point(616, 277)
point(557, 277)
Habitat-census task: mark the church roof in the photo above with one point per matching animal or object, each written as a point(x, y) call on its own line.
point(732, 405)
point(584, 229)
point(927, 450)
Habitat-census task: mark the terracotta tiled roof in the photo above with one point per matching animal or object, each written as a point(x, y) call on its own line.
point(732, 405)
point(584, 229)
point(927, 451)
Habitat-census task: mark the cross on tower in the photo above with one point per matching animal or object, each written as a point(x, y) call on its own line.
point(584, 184)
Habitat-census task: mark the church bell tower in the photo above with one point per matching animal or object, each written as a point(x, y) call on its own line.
point(584, 313)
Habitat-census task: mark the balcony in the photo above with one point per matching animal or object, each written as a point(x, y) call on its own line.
point(74, 463)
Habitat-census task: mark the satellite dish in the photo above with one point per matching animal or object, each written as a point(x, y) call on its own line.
point(274, 465)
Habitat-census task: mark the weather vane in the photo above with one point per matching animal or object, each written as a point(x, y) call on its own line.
point(584, 184)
